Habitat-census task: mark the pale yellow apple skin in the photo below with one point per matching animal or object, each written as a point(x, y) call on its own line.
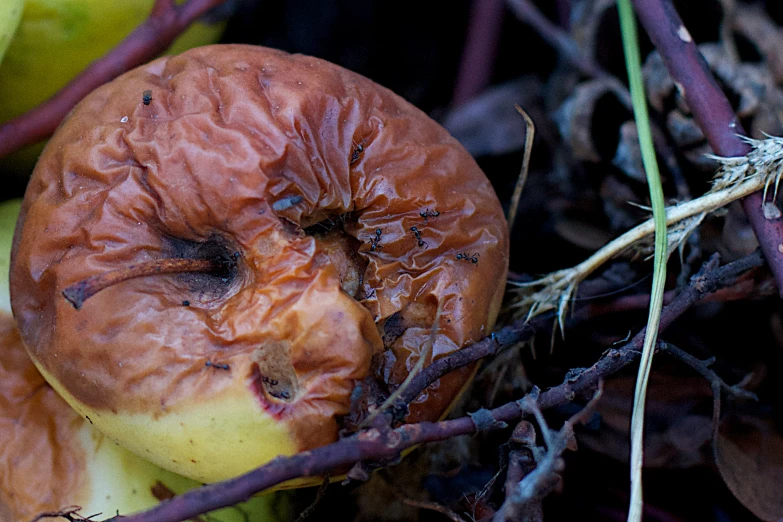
point(226, 436)
point(122, 482)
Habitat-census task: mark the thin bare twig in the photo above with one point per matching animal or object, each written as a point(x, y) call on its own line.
point(524, 502)
point(70, 513)
point(530, 132)
point(164, 24)
point(309, 510)
point(703, 369)
point(516, 332)
point(424, 354)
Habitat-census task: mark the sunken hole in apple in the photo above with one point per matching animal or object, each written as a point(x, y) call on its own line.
point(272, 375)
point(341, 251)
point(216, 248)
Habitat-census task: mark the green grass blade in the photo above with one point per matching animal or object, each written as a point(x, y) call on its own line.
point(633, 64)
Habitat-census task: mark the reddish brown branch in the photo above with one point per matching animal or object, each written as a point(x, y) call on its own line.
point(712, 111)
point(387, 444)
point(516, 332)
point(155, 35)
point(78, 293)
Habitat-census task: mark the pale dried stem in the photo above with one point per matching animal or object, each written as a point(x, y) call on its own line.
point(738, 178)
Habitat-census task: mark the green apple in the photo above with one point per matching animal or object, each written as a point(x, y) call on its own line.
point(8, 212)
point(10, 15)
point(57, 39)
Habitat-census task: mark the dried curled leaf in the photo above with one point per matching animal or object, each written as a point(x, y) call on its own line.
point(582, 119)
point(749, 456)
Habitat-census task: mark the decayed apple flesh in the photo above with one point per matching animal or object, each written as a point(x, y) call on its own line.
point(244, 154)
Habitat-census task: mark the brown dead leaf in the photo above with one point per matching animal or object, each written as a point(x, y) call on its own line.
point(749, 455)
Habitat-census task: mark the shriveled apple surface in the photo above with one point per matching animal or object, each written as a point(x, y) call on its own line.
point(339, 219)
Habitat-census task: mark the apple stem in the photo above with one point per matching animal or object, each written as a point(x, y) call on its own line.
point(78, 293)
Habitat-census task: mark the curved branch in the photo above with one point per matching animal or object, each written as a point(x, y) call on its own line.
point(164, 24)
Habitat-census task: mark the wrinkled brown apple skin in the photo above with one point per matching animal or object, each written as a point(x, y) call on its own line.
point(42, 465)
point(238, 151)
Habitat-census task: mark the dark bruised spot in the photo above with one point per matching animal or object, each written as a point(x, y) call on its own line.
point(88, 418)
point(393, 328)
point(161, 491)
point(146, 97)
